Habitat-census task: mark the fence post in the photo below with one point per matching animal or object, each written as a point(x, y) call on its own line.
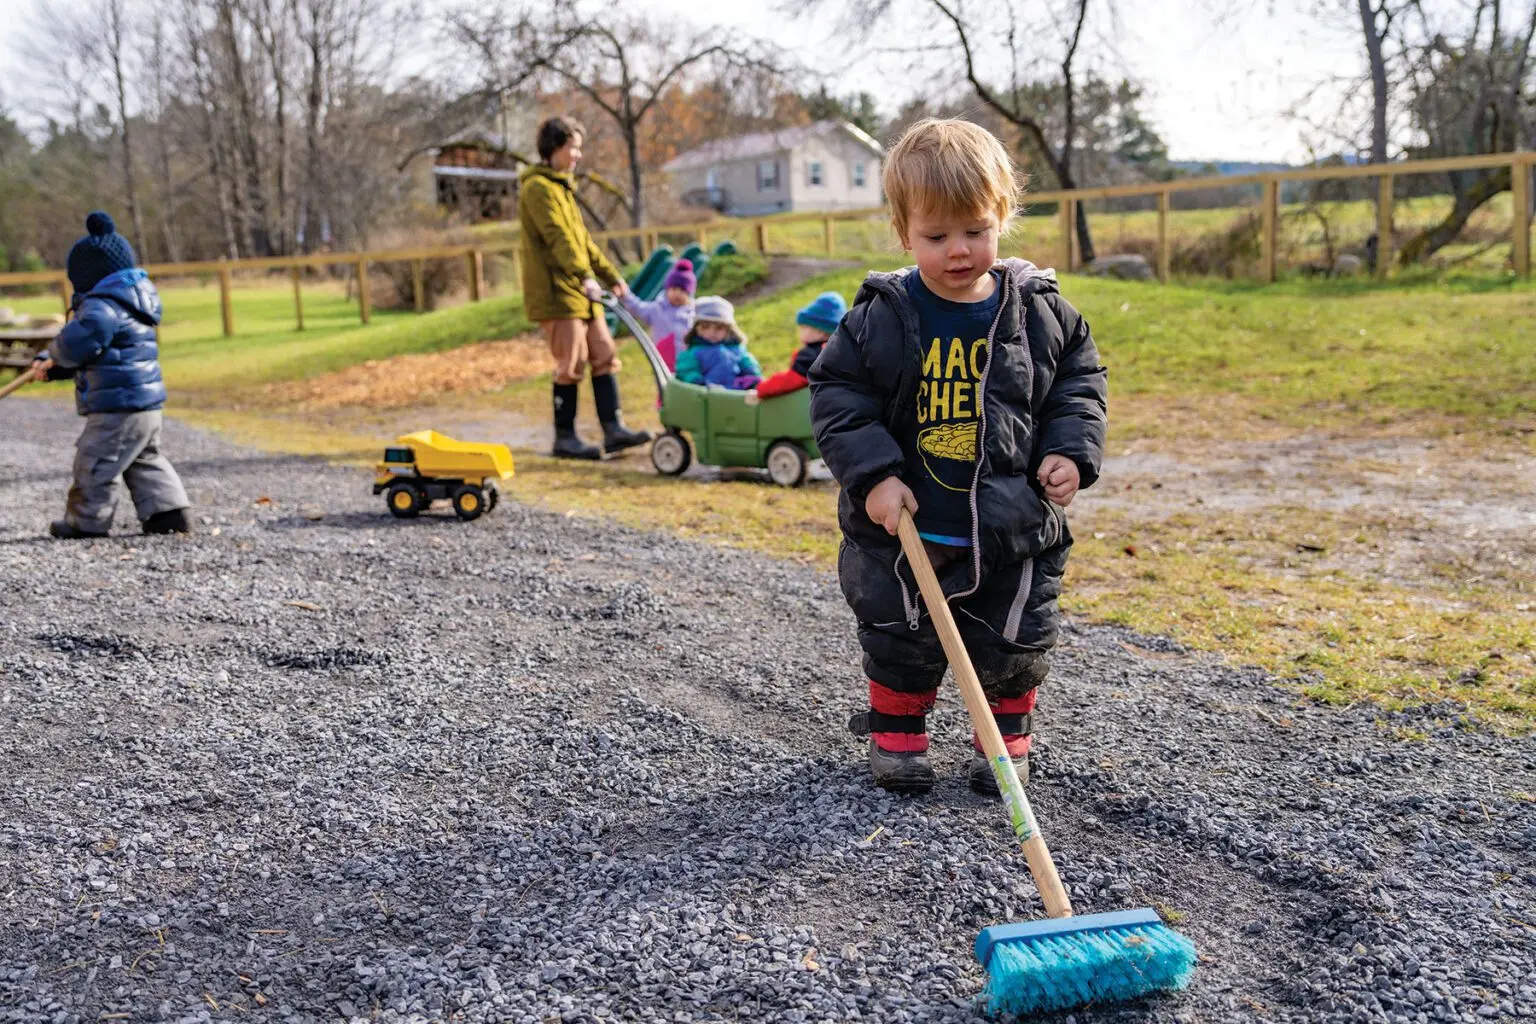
point(476, 279)
point(1520, 189)
point(760, 229)
point(226, 301)
point(418, 293)
point(829, 234)
point(364, 308)
point(64, 290)
point(1383, 227)
point(298, 297)
point(1269, 215)
point(1068, 216)
point(1164, 257)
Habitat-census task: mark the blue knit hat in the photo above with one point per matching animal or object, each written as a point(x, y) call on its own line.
point(98, 254)
point(824, 313)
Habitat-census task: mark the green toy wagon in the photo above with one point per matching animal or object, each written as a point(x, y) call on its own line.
point(716, 425)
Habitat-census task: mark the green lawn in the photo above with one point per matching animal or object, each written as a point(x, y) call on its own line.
point(1188, 362)
point(198, 359)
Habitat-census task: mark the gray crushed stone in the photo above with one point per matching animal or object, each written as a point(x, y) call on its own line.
point(536, 768)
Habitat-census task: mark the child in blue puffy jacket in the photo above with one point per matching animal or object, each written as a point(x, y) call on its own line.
point(715, 352)
point(110, 349)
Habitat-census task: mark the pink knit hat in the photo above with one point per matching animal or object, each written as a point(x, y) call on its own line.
point(681, 276)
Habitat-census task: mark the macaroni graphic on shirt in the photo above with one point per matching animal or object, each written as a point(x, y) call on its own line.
point(948, 410)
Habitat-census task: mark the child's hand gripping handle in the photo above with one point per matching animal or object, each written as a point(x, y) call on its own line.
point(1041, 867)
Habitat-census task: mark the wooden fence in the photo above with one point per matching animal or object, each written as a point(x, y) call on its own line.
point(756, 231)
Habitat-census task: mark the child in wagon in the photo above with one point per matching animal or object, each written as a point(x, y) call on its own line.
point(715, 351)
point(816, 322)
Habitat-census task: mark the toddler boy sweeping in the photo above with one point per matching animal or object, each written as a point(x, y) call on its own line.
point(969, 392)
point(109, 347)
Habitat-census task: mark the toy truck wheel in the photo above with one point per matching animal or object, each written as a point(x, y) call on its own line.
point(405, 500)
point(492, 496)
point(787, 464)
point(468, 502)
point(671, 454)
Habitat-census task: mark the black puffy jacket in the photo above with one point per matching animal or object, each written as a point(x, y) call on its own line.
point(1043, 393)
point(110, 346)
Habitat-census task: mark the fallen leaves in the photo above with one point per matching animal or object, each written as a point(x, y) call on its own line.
point(408, 379)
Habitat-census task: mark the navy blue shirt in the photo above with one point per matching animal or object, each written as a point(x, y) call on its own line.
point(940, 446)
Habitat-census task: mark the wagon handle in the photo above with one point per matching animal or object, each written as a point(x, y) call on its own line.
point(658, 365)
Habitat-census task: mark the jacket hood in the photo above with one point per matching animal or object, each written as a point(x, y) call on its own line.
point(1029, 278)
point(134, 291)
point(531, 171)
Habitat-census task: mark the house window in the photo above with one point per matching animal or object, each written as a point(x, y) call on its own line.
point(813, 172)
point(767, 175)
point(858, 174)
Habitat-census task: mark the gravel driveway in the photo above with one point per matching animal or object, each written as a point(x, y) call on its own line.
point(314, 763)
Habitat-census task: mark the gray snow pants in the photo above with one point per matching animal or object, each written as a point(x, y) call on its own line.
point(126, 446)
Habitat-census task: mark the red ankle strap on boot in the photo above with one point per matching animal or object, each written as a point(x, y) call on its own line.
point(898, 721)
point(1015, 720)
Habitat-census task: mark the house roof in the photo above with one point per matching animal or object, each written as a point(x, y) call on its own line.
point(744, 147)
point(473, 137)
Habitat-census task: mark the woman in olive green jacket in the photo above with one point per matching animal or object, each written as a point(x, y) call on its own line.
point(561, 270)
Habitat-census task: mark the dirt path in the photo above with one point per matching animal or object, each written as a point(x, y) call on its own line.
point(317, 762)
point(1456, 509)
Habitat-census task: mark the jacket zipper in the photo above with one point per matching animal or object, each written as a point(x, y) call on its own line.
point(981, 442)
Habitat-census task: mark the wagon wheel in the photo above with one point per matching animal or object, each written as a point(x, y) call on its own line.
point(468, 502)
point(787, 464)
point(671, 454)
point(405, 500)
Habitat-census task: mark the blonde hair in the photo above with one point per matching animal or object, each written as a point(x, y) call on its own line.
point(949, 166)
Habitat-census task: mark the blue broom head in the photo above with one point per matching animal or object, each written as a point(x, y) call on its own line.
point(1059, 963)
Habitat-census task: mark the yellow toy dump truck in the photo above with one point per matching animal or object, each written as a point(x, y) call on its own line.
point(424, 467)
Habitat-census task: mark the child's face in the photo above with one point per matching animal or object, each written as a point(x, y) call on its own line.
point(954, 252)
point(677, 296)
point(567, 156)
point(811, 336)
point(712, 330)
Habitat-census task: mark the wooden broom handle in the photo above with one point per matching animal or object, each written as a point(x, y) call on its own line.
point(24, 377)
point(1052, 893)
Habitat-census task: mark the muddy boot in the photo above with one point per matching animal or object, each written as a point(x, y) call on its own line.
point(1015, 720)
point(900, 771)
point(569, 446)
point(174, 521)
point(616, 436)
point(63, 529)
point(984, 782)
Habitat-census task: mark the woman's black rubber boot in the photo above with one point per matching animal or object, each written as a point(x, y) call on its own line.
point(567, 444)
point(616, 436)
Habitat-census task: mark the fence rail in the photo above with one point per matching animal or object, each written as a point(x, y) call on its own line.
point(756, 230)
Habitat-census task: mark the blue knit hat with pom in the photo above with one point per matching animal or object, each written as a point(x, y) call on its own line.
point(824, 313)
point(98, 254)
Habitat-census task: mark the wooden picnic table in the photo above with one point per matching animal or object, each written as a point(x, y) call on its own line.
point(19, 344)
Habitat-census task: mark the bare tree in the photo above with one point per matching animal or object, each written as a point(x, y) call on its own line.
point(622, 65)
point(115, 51)
point(1012, 63)
point(1470, 92)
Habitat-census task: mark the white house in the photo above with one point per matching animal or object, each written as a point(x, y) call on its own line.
point(829, 165)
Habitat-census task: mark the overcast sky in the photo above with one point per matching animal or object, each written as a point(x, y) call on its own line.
point(1217, 88)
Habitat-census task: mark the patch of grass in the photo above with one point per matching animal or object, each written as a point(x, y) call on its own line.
point(733, 273)
point(1234, 583)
